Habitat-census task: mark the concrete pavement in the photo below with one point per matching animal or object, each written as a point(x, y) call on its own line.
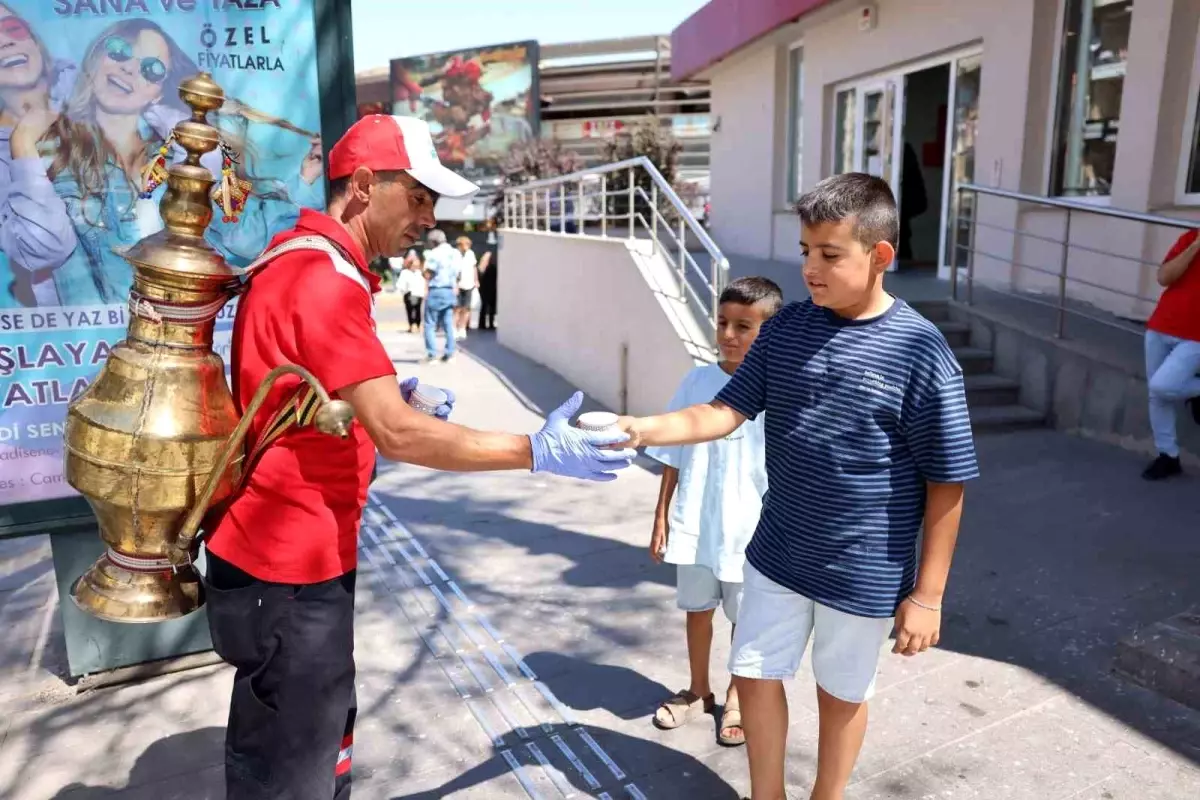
point(513, 639)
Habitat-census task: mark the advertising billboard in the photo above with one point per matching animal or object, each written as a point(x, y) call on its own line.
point(88, 100)
point(478, 103)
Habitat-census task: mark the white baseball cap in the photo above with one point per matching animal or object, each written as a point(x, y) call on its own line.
point(386, 143)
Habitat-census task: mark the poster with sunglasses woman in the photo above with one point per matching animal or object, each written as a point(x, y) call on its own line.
point(86, 102)
point(36, 236)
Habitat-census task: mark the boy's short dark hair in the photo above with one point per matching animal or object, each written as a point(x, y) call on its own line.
point(749, 291)
point(866, 198)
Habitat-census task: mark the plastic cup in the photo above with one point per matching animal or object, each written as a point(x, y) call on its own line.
point(427, 399)
point(598, 421)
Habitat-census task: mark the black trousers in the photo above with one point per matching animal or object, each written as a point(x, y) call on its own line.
point(291, 720)
point(487, 307)
point(413, 306)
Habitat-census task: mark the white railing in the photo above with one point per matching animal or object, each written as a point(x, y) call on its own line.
point(586, 203)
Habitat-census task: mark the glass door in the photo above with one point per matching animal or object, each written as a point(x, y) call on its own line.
point(877, 131)
point(965, 75)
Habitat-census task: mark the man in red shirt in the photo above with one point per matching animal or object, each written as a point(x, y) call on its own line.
point(282, 555)
point(1173, 352)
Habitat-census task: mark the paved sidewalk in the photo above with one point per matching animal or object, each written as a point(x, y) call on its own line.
point(513, 639)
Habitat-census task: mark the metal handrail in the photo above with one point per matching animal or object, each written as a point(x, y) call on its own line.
point(529, 206)
point(655, 175)
point(1075, 205)
point(1070, 207)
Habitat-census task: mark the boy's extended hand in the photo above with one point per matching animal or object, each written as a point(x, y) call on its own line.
point(917, 628)
point(658, 542)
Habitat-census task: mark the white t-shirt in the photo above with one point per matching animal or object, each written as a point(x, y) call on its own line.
point(721, 485)
point(411, 280)
point(466, 271)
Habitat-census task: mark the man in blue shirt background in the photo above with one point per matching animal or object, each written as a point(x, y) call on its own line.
point(442, 267)
point(868, 440)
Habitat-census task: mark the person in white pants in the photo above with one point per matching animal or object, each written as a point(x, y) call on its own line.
point(1173, 352)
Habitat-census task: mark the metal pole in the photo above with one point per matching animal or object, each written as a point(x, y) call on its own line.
point(562, 208)
point(952, 236)
point(971, 250)
point(654, 218)
point(548, 225)
point(580, 217)
point(604, 204)
point(1062, 278)
point(716, 293)
point(631, 202)
point(682, 262)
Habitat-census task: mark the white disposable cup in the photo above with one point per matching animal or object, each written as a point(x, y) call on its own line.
point(427, 399)
point(598, 422)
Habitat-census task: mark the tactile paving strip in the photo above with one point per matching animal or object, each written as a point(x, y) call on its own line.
point(555, 756)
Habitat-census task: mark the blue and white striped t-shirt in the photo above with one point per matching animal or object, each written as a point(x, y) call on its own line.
point(859, 415)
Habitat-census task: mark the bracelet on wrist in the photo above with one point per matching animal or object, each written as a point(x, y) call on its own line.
point(925, 606)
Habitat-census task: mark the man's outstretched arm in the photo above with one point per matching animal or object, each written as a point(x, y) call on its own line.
point(403, 434)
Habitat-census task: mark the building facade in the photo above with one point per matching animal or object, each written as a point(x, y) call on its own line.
point(1091, 101)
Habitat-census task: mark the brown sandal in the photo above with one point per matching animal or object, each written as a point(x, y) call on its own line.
point(731, 718)
point(681, 708)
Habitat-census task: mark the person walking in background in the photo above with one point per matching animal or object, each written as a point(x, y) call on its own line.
point(442, 267)
point(1173, 352)
point(487, 283)
point(709, 504)
point(413, 285)
point(468, 282)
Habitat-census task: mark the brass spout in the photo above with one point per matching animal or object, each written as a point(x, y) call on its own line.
point(333, 417)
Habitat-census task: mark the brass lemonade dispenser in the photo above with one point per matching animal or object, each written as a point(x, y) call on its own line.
point(155, 440)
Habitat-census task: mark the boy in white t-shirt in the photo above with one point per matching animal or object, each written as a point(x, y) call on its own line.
point(709, 504)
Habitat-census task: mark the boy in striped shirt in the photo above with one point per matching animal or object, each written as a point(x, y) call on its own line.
point(868, 440)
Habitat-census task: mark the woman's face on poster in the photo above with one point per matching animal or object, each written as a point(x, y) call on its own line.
point(130, 73)
point(21, 61)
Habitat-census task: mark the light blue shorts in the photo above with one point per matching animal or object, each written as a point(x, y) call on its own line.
point(775, 625)
point(698, 589)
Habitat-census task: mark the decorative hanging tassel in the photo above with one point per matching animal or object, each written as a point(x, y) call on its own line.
point(155, 173)
point(231, 192)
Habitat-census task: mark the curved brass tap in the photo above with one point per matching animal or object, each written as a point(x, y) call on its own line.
point(333, 418)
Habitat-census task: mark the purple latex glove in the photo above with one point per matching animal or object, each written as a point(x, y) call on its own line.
point(563, 449)
point(408, 385)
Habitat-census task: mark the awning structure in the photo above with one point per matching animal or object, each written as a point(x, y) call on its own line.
point(723, 27)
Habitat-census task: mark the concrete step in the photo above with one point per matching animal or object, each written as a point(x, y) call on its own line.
point(973, 360)
point(991, 390)
point(993, 419)
point(1165, 657)
point(932, 310)
point(958, 334)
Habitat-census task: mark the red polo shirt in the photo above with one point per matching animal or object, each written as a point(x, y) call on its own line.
point(1178, 310)
point(296, 517)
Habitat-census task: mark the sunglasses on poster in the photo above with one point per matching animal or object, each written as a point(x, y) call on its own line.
point(121, 50)
point(15, 28)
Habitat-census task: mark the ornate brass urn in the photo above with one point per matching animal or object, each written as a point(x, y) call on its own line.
point(155, 439)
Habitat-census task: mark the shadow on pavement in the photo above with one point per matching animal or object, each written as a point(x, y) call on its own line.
point(1063, 552)
point(147, 779)
point(585, 686)
point(701, 781)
